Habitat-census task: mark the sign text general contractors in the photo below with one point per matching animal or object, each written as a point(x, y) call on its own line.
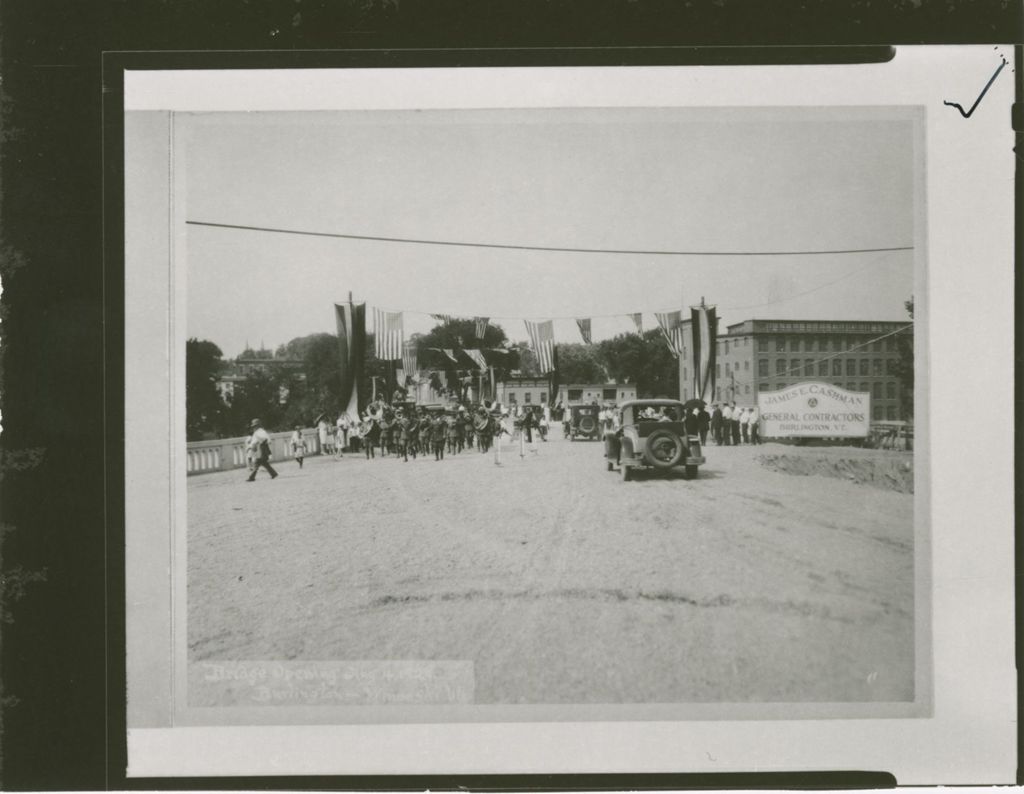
point(817, 410)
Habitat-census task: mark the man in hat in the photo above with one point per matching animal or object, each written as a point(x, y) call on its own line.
point(259, 443)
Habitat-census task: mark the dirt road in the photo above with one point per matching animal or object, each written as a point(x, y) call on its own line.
point(560, 582)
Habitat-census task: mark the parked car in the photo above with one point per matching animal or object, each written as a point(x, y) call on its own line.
point(583, 422)
point(653, 434)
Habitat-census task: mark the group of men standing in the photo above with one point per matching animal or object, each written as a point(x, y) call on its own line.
point(732, 426)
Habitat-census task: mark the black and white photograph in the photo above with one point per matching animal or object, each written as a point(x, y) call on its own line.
point(504, 414)
point(550, 407)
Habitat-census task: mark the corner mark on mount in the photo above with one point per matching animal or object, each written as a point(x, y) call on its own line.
point(967, 113)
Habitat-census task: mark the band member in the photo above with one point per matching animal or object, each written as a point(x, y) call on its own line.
point(438, 435)
point(426, 433)
point(370, 432)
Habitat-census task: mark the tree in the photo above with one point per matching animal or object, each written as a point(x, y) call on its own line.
point(645, 361)
point(905, 366)
point(581, 364)
point(258, 397)
point(204, 409)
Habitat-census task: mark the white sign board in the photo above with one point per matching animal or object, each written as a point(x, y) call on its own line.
point(814, 410)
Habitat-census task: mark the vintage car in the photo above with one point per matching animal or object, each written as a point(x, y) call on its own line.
point(653, 434)
point(584, 422)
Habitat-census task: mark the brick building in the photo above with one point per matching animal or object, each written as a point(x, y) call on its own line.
point(767, 355)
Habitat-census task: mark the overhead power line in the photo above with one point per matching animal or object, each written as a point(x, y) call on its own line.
point(560, 249)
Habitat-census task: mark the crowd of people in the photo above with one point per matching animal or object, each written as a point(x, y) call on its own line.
point(401, 430)
point(732, 426)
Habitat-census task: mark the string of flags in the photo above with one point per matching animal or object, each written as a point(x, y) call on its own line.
point(390, 343)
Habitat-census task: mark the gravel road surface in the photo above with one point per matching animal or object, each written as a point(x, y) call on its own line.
point(560, 582)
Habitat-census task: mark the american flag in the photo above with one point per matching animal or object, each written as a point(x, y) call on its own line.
point(672, 329)
point(542, 340)
point(481, 326)
point(388, 330)
point(584, 326)
point(638, 320)
point(443, 318)
point(409, 358)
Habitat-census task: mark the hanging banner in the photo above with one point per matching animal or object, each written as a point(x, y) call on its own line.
point(584, 326)
point(409, 358)
point(478, 358)
point(481, 324)
point(351, 322)
point(814, 410)
point(704, 326)
point(638, 321)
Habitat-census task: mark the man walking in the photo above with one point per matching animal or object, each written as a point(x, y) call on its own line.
point(726, 425)
point(259, 443)
point(735, 423)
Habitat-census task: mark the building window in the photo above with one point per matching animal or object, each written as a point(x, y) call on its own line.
point(890, 412)
point(762, 368)
point(746, 365)
point(808, 345)
point(718, 370)
point(890, 391)
point(780, 344)
point(512, 397)
point(718, 392)
point(808, 366)
point(864, 366)
point(876, 412)
point(762, 345)
point(851, 367)
point(876, 366)
point(890, 366)
point(876, 391)
point(780, 366)
point(575, 394)
point(876, 346)
point(837, 367)
point(890, 344)
point(609, 394)
point(822, 368)
point(794, 344)
point(794, 367)
point(865, 387)
point(726, 347)
point(526, 397)
point(543, 396)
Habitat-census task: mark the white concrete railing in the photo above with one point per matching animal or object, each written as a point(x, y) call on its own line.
point(229, 453)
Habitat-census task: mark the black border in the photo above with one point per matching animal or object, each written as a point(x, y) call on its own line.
point(62, 508)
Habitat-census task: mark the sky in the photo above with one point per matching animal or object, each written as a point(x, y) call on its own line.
point(628, 179)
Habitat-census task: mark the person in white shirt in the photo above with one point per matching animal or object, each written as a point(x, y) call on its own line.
point(298, 445)
point(743, 425)
point(752, 423)
point(727, 424)
point(259, 443)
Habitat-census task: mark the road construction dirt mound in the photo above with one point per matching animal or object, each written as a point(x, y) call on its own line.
point(893, 472)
